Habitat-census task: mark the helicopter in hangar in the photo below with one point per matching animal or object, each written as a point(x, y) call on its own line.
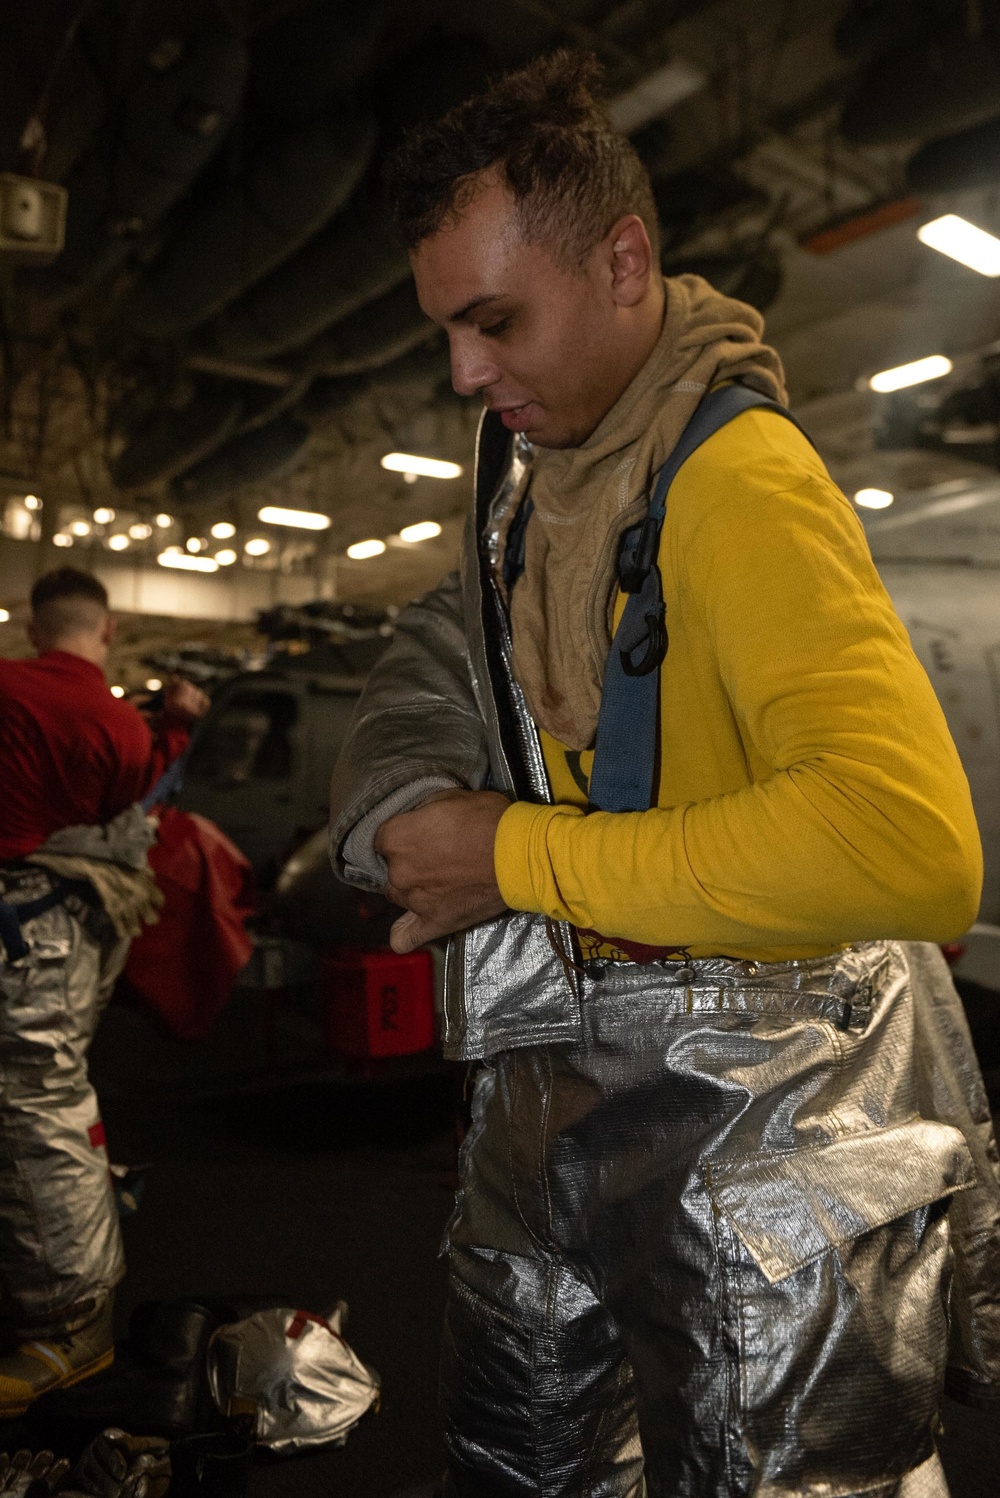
point(261, 762)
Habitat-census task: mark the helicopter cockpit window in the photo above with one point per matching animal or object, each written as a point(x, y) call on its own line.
point(249, 739)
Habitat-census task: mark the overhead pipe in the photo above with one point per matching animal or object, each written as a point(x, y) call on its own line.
point(357, 258)
point(303, 63)
point(172, 440)
point(370, 338)
point(354, 260)
point(175, 113)
point(941, 85)
point(289, 190)
point(970, 158)
point(268, 452)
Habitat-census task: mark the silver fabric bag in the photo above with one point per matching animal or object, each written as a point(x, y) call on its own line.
point(292, 1377)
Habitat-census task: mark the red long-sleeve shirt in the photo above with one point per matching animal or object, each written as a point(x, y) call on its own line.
point(70, 753)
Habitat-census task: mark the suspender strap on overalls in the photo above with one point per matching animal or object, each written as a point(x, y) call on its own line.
point(624, 775)
point(14, 916)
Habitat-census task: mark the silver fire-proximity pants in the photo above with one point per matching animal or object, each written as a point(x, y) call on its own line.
point(705, 1253)
point(60, 1245)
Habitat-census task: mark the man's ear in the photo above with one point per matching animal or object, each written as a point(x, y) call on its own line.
point(108, 629)
point(34, 636)
point(631, 257)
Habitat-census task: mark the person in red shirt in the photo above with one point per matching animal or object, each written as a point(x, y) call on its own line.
point(71, 755)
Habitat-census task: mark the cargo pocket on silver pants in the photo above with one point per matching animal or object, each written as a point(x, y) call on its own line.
point(835, 1265)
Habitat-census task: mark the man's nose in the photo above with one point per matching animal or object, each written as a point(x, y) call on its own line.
point(472, 368)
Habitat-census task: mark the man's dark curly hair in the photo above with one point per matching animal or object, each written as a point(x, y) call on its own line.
point(572, 174)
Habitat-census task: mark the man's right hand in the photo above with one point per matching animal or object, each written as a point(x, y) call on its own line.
point(182, 699)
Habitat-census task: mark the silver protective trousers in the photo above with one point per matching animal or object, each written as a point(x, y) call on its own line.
point(705, 1254)
point(60, 1245)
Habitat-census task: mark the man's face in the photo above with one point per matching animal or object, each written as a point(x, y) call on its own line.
point(546, 344)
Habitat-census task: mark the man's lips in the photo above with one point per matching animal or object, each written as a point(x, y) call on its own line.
point(514, 418)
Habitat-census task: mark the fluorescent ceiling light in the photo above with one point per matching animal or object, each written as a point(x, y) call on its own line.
point(104, 516)
point(80, 528)
point(873, 499)
point(61, 539)
point(32, 502)
point(226, 557)
point(304, 520)
point(140, 532)
point(424, 530)
point(931, 368)
point(361, 550)
point(428, 468)
point(164, 520)
point(154, 684)
point(118, 691)
point(118, 543)
point(961, 240)
point(223, 529)
point(4, 616)
point(194, 543)
point(181, 560)
point(655, 94)
point(257, 546)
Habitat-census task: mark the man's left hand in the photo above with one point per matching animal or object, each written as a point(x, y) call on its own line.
point(440, 860)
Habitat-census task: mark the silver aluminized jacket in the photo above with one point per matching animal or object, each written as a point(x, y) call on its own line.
point(702, 1244)
point(60, 1245)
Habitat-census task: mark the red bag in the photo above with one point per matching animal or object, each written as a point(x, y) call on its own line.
point(183, 968)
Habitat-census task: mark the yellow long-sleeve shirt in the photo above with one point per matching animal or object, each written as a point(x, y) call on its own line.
point(810, 793)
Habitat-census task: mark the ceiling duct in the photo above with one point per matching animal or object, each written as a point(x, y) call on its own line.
point(969, 159)
point(370, 338)
point(353, 260)
point(172, 440)
point(939, 86)
point(869, 27)
point(180, 102)
point(691, 201)
point(357, 257)
point(176, 438)
point(753, 276)
point(269, 452)
point(233, 237)
point(305, 62)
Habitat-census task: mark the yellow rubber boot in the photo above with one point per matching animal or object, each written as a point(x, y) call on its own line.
point(40, 1364)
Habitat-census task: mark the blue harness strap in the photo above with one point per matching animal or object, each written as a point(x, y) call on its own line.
point(624, 774)
point(14, 917)
point(168, 784)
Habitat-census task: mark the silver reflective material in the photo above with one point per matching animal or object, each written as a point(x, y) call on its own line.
point(60, 1247)
point(705, 1252)
point(503, 499)
point(293, 1376)
point(720, 1224)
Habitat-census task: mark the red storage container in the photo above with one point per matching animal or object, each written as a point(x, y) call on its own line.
point(378, 1003)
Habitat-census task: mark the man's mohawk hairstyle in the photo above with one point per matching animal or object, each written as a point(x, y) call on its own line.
point(547, 130)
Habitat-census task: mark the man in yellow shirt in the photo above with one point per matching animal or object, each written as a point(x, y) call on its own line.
point(677, 789)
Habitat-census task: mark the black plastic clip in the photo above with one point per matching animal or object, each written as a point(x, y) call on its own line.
point(636, 560)
point(655, 640)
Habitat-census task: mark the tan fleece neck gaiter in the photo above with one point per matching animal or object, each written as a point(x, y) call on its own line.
point(585, 497)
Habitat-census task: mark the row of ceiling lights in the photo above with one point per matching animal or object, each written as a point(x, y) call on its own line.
point(970, 246)
point(412, 467)
point(189, 558)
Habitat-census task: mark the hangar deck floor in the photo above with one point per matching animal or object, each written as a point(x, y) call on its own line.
point(317, 1190)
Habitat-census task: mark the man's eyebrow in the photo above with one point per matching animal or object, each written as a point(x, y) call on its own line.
point(477, 301)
